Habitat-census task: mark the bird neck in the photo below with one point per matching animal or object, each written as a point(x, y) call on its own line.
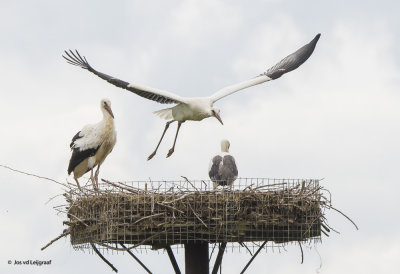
point(107, 117)
point(107, 122)
point(225, 148)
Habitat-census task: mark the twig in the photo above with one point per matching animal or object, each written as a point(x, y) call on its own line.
point(198, 216)
point(152, 204)
point(331, 228)
point(325, 227)
point(302, 254)
point(30, 174)
point(248, 187)
point(122, 187)
point(132, 247)
point(277, 184)
point(146, 217)
point(65, 233)
point(187, 180)
point(343, 215)
point(170, 207)
point(303, 184)
point(70, 214)
point(102, 257)
point(244, 245)
point(326, 234)
point(180, 198)
point(52, 198)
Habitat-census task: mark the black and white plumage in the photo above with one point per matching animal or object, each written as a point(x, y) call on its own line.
point(92, 144)
point(222, 168)
point(196, 108)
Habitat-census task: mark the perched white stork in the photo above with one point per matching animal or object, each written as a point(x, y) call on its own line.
point(197, 108)
point(92, 144)
point(222, 168)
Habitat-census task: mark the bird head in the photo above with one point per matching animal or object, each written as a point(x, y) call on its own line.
point(225, 145)
point(105, 106)
point(215, 113)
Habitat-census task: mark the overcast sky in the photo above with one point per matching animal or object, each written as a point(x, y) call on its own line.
point(336, 117)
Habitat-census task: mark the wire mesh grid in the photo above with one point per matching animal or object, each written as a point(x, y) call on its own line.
point(155, 214)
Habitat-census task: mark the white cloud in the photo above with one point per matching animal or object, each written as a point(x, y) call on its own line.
point(196, 23)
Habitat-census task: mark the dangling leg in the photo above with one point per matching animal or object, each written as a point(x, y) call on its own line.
point(162, 136)
point(77, 183)
point(173, 147)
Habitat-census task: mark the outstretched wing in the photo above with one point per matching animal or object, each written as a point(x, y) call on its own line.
point(158, 95)
point(287, 64)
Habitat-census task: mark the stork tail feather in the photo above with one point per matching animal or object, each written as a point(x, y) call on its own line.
point(164, 113)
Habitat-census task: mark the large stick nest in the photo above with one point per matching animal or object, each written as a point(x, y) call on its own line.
point(281, 212)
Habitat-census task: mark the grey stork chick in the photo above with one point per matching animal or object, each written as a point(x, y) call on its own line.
point(222, 169)
point(92, 144)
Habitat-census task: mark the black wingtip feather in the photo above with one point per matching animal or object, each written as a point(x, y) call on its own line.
point(294, 60)
point(315, 40)
point(76, 59)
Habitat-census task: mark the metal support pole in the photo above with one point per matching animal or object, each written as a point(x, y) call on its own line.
point(136, 258)
point(173, 260)
point(196, 258)
point(252, 258)
point(218, 260)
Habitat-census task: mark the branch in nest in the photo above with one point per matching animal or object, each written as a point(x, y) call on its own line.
point(197, 216)
point(133, 246)
point(302, 254)
point(248, 250)
point(37, 176)
point(180, 198)
point(343, 215)
point(187, 180)
point(65, 233)
point(146, 217)
point(171, 207)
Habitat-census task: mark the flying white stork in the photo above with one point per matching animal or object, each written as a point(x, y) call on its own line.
point(196, 108)
point(222, 169)
point(92, 144)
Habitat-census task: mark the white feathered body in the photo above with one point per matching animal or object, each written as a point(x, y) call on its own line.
point(195, 109)
point(101, 138)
